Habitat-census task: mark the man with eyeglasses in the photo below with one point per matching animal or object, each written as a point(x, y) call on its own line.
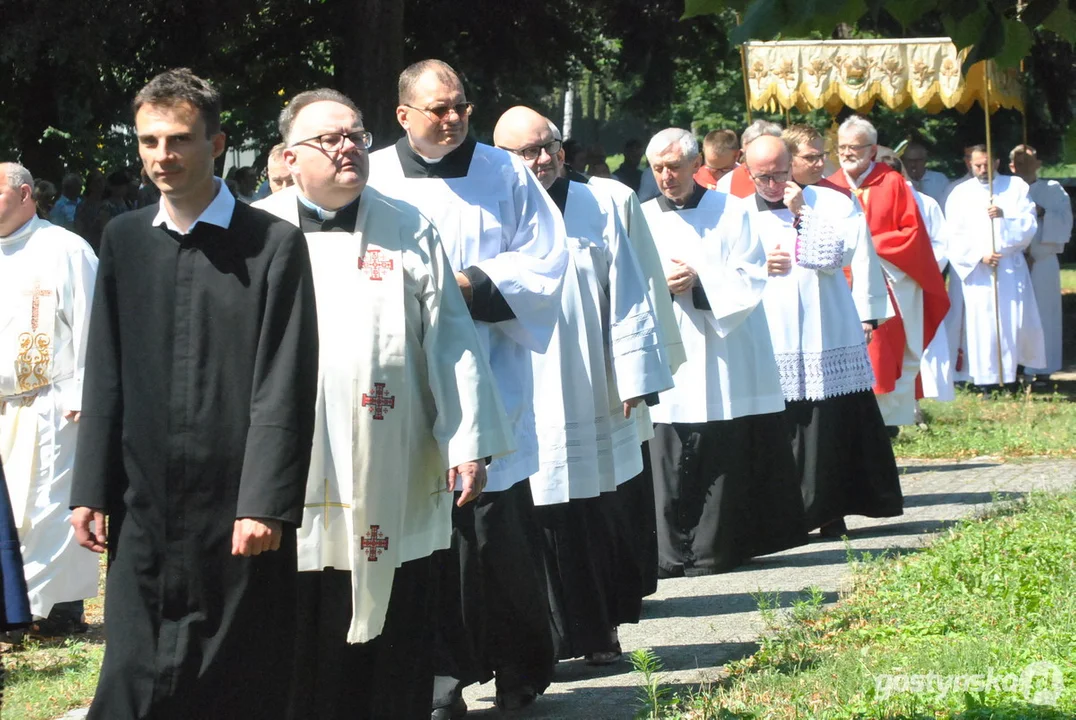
point(928, 182)
point(915, 284)
point(724, 476)
point(505, 241)
point(844, 459)
point(738, 183)
point(720, 156)
point(404, 395)
point(605, 357)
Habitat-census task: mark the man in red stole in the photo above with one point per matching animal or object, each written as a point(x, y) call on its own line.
point(720, 156)
point(915, 284)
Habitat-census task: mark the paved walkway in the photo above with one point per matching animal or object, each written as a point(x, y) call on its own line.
point(696, 625)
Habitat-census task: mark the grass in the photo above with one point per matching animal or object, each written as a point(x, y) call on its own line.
point(1068, 279)
point(951, 632)
point(1039, 424)
point(46, 679)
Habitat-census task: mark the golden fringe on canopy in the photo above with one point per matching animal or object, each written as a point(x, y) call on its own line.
point(831, 74)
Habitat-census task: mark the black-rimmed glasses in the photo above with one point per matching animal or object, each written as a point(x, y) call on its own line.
point(534, 152)
point(773, 178)
point(439, 113)
point(333, 142)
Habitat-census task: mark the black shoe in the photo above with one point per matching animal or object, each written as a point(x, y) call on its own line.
point(893, 431)
point(517, 699)
point(50, 628)
point(835, 529)
point(456, 711)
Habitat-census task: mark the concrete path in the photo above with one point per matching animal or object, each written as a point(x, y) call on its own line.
point(696, 625)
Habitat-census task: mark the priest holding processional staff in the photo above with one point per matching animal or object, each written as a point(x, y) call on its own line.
point(404, 397)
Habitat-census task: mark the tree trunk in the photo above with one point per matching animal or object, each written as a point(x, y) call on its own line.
point(368, 62)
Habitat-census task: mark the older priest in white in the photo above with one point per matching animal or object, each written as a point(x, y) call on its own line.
point(1053, 209)
point(724, 476)
point(46, 288)
point(605, 357)
point(505, 239)
point(987, 238)
point(405, 394)
point(843, 454)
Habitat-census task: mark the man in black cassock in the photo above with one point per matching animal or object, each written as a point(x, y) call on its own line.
point(198, 417)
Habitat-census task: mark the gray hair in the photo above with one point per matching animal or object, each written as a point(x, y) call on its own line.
point(673, 136)
point(17, 175)
point(757, 129)
point(309, 97)
point(860, 126)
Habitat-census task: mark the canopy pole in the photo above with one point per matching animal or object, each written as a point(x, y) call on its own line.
point(1023, 96)
point(993, 234)
point(746, 84)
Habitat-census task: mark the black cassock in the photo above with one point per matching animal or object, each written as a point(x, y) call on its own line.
point(198, 408)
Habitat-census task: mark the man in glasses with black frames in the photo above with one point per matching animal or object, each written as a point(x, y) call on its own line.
point(843, 456)
point(505, 241)
point(404, 394)
point(606, 356)
point(903, 246)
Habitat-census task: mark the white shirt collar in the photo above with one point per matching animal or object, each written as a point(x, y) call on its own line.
point(21, 234)
point(219, 212)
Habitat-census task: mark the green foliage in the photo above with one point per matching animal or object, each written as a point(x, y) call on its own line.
point(988, 599)
point(654, 697)
point(994, 29)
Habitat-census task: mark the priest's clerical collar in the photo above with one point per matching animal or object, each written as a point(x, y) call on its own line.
point(691, 203)
point(456, 164)
point(558, 191)
point(313, 218)
point(764, 204)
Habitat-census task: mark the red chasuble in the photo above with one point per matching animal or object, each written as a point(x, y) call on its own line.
point(900, 237)
point(705, 176)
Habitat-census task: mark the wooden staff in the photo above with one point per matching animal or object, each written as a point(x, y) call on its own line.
point(993, 238)
point(746, 84)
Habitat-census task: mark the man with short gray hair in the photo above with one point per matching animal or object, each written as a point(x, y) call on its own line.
point(725, 481)
point(903, 246)
point(46, 287)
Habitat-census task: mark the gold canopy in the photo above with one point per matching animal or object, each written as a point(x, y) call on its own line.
point(831, 74)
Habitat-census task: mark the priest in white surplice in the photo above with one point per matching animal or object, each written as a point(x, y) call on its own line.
point(405, 394)
point(970, 211)
point(604, 359)
point(1053, 209)
point(46, 287)
point(505, 239)
point(843, 454)
point(724, 477)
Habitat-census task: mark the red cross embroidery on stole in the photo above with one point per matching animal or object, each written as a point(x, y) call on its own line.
point(372, 265)
point(378, 401)
point(374, 543)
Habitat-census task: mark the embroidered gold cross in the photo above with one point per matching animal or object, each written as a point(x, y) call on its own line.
point(37, 293)
point(327, 504)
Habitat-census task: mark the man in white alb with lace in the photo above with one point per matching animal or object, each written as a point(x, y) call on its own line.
point(843, 454)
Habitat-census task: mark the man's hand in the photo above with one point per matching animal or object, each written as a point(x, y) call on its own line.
point(991, 259)
point(682, 278)
point(778, 262)
point(73, 416)
point(253, 537)
point(465, 287)
point(472, 475)
point(994, 212)
point(95, 539)
point(629, 405)
point(793, 197)
point(868, 332)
